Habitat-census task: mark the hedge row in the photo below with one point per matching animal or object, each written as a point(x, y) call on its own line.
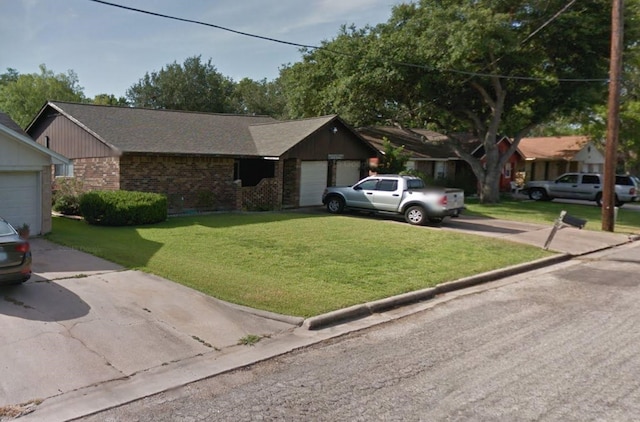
point(123, 208)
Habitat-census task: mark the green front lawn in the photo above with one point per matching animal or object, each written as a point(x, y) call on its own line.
point(293, 263)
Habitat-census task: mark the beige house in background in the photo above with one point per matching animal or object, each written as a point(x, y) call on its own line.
point(548, 157)
point(25, 178)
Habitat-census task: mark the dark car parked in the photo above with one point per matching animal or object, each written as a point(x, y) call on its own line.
point(15, 255)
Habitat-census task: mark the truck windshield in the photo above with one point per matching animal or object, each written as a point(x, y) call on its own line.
point(415, 184)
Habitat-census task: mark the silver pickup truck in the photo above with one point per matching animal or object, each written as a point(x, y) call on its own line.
point(586, 186)
point(404, 195)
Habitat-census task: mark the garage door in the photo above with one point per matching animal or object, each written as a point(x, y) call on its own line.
point(313, 181)
point(20, 199)
point(347, 172)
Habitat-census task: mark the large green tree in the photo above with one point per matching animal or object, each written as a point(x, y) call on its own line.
point(22, 95)
point(109, 99)
point(592, 121)
point(195, 86)
point(258, 97)
point(488, 67)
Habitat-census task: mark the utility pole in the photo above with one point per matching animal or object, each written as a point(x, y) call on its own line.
point(613, 123)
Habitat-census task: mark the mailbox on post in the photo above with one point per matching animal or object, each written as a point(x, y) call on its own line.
point(572, 221)
point(564, 220)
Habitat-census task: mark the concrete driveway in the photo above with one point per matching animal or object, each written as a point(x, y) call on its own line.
point(83, 321)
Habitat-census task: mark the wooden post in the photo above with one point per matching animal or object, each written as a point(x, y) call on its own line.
point(613, 124)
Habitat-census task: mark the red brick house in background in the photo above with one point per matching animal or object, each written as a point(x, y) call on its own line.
point(545, 158)
point(202, 160)
point(511, 168)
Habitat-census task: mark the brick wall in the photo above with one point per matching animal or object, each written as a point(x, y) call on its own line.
point(263, 196)
point(190, 182)
point(291, 183)
point(46, 184)
point(97, 173)
point(266, 195)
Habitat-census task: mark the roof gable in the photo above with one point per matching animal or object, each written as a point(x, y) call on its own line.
point(503, 145)
point(12, 130)
point(274, 139)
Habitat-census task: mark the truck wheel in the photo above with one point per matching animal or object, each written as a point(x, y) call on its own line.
point(335, 205)
point(616, 201)
point(538, 195)
point(415, 215)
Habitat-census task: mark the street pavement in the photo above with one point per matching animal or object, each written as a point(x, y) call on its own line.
point(86, 335)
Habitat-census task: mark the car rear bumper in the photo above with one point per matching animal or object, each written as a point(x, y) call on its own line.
point(16, 274)
point(452, 212)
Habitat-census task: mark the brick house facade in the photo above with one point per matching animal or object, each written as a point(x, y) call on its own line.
point(199, 161)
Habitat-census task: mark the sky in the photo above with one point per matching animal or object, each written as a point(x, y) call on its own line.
point(110, 49)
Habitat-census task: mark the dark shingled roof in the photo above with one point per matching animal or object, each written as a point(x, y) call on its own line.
point(181, 132)
point(163, 131)
point(6, 121)
point(419, 143)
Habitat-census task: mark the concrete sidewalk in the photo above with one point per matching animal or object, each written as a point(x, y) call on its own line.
point(567, 240)
point(196, 336)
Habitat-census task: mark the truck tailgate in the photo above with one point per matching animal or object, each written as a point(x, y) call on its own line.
point(455, 198)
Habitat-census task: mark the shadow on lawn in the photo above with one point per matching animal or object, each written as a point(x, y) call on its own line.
point(126, 246)
point(231, 219)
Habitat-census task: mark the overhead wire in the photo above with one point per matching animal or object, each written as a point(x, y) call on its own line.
point(404, 64)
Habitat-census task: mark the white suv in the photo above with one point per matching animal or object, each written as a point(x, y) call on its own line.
point(586, 186)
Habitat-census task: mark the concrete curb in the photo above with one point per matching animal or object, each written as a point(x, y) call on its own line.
point(292, 320)
point(367, 309)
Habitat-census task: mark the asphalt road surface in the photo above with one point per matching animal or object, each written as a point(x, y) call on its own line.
point(560, 344)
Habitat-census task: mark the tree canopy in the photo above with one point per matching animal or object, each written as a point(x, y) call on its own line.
point(198, 86)
point(194, 86)
point(490, 67)
point(258, 97)
point(109, 99)
point(23, 95)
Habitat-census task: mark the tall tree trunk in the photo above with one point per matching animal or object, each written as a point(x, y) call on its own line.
point(490, 188)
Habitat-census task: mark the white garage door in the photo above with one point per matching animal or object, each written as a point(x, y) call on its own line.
point(20, 199)
point(347, 172)
point(313, 181)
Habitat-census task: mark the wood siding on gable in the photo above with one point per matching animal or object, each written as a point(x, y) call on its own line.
point(65, 137)
point(324, 142)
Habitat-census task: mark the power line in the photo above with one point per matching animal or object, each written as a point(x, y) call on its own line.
point(314, 47)
point(246, 34)
point(554, 17)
